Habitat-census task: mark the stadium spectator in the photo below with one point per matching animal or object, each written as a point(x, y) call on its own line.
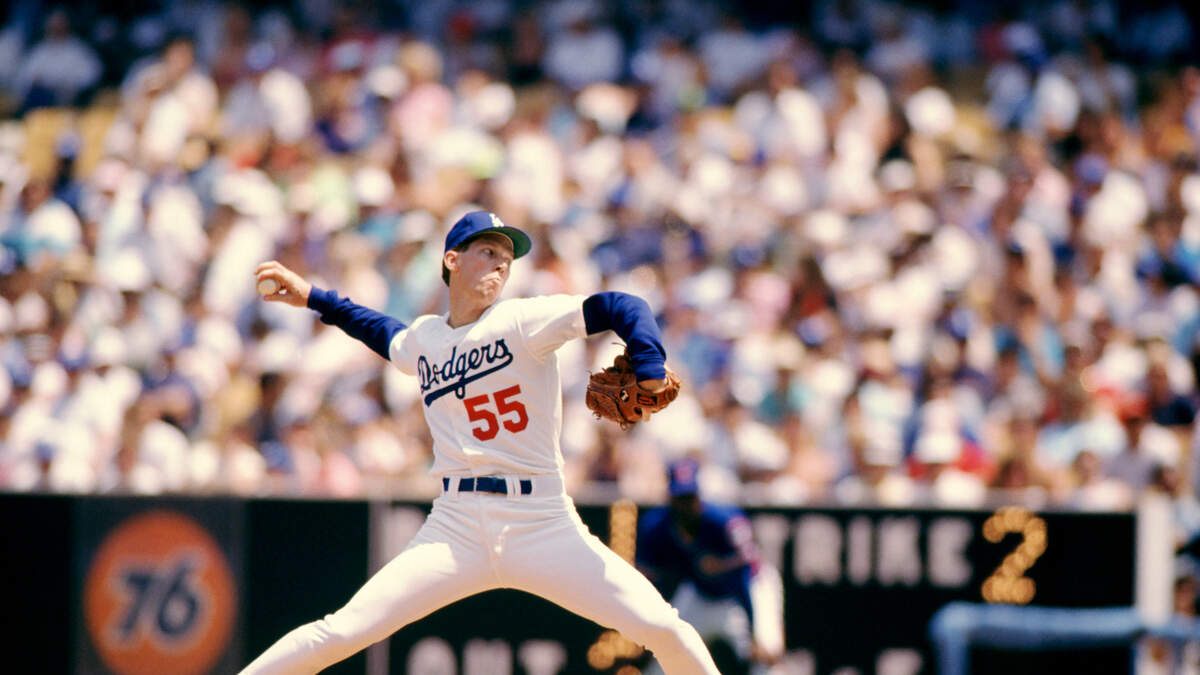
point(581, 49)
point(57, 70)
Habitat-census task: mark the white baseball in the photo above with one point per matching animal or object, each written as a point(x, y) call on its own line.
point(268, 287)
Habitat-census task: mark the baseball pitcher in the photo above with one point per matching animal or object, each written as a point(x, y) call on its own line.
point(492, 398)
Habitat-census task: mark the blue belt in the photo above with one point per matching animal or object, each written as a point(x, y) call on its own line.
point(493, 484)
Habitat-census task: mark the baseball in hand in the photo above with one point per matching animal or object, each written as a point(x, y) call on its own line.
point(268, 287)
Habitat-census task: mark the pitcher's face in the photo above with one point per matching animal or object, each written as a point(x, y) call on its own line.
point(482, 269)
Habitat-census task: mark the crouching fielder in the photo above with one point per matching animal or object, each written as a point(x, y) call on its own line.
point(492, 398)
point(723, 587)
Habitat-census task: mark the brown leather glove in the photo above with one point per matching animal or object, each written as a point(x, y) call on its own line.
point(614, 393)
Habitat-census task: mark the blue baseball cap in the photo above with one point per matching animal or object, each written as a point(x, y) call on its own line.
point(682, 477)
point(476, 223)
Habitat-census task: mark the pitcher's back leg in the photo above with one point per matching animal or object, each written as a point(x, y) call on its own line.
point(435, 570)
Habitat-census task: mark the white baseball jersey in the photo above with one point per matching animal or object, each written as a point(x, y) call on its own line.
point(491, 389)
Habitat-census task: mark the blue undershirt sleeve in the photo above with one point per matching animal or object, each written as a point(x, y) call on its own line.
point(629, 317)
point(372, 328)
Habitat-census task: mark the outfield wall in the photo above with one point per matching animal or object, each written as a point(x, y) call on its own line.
point(131, 585)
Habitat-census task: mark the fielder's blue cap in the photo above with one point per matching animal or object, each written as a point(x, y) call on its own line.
point(682, 477)
point(476, 223)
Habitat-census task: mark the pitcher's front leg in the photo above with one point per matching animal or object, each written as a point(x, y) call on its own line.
point(573, 569)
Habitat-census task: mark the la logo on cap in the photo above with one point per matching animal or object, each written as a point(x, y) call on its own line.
point(496, 220)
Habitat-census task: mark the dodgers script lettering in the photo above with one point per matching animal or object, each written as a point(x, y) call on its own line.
point(456, 372)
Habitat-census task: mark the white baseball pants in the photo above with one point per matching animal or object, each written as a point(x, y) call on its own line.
point(473, 542)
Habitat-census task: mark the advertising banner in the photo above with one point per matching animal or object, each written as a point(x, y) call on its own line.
point(158, 584)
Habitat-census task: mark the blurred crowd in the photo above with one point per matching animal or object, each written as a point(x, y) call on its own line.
point(901, 255)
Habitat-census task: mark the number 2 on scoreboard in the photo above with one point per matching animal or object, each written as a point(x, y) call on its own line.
point(506, 405)
point(1008, 582)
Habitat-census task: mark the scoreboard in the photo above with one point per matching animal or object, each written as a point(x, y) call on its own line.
point(861, 586)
